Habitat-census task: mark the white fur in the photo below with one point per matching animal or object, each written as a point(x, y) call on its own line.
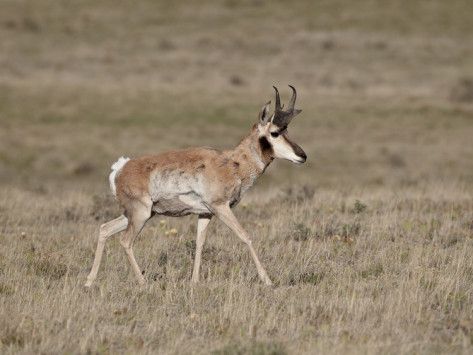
point(284, 151)
point(116, 167)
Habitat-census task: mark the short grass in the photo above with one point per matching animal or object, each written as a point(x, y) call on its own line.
point(369, 244)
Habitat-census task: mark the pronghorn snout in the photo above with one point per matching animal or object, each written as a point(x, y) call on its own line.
point(284, 148)
point(300, 155)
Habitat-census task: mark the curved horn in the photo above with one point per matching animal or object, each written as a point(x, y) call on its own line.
point(292, 102)
point(278, 100)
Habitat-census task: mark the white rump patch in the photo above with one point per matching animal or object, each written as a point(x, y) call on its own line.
point(116, 167)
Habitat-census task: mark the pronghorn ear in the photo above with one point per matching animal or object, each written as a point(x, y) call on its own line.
point(264, 115)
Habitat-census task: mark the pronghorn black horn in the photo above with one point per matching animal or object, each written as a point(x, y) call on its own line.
point(292, 102)
point(278, 100)
point(283, 117)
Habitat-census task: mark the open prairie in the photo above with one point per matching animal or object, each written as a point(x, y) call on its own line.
point(370, 243)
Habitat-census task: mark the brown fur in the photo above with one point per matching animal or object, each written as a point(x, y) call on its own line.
point(133, 180)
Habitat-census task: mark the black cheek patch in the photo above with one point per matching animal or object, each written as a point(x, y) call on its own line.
point(265, 146)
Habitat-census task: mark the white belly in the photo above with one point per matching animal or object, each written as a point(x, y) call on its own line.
point(177, 194)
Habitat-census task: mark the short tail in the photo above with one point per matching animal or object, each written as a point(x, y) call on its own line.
point(116, 167)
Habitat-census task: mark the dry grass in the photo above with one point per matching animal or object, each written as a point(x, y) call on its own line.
point(355, 272)
point(370, 243)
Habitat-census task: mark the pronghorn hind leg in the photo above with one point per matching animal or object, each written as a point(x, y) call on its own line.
point(106, 230)
point(139, 214)
point(225, 214)
point(202, 224)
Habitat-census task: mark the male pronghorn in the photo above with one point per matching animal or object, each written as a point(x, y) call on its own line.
point(200, 181)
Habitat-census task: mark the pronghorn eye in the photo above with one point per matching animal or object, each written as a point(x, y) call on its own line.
point(275, 134)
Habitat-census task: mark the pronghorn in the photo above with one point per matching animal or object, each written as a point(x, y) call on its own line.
point(200, 181)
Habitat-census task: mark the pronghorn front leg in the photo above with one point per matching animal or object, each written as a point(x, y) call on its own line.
point(202, 224)
point(225, 214)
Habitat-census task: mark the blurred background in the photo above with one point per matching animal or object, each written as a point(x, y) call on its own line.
point(386, 87)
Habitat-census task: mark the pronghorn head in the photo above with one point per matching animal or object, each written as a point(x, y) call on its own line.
point(273, 136)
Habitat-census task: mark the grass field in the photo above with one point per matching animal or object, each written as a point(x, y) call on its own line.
point(370, 243)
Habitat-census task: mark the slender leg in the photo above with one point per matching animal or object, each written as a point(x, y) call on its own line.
point(202, 224)
point(106, 230)
point(139, 216)
point(225, 214)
